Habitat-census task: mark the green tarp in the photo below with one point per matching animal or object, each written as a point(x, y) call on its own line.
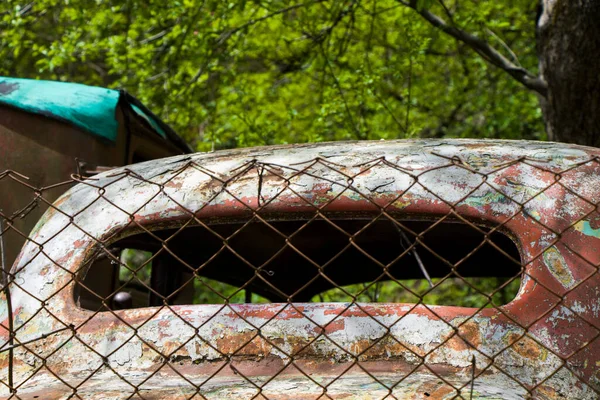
point(90, 108)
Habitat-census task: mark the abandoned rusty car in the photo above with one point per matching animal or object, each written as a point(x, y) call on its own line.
point(311, 272)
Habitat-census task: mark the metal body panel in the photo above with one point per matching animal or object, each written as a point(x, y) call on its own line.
point(544, 342)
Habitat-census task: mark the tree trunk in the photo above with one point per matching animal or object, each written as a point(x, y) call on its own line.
point(569, 52)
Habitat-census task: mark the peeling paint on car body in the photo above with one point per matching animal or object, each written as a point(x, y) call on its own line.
point(545, 342)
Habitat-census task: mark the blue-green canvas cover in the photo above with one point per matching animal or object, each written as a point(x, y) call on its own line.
point(92, 109)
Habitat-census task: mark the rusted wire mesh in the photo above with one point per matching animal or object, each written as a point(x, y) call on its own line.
point(278, 277)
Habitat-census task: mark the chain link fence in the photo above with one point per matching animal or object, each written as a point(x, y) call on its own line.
point(451, 271)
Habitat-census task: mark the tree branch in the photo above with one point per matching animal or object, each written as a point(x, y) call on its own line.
point(483, 48)
point(227, 34)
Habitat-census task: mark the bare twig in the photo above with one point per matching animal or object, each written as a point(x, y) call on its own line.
point(506, 47)
point(338, 86)
point(484, 49)
point(186, 31)
point(370, 68)
point(447, 11)
point(156, 36)
point(404, 240)
point(410, 72)
point(227, 34)
point(25, 9)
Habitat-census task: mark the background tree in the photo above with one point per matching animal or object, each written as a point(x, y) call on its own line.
point(569, 47)
point(263, 72)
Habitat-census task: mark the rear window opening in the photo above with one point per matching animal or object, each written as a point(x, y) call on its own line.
point(336, 260)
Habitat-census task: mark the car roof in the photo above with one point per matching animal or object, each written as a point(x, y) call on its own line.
point(172, 188)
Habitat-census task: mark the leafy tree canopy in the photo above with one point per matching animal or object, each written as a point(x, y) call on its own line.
point(241, 73)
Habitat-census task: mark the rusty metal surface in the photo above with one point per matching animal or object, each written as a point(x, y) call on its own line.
point(44, 151)
point(543, 345)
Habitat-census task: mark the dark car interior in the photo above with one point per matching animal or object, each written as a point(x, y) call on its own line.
point(290, 260)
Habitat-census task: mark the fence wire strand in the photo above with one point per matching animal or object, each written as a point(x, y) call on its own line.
point(386, 279)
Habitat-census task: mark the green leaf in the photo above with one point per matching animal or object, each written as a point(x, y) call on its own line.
point(423, 4)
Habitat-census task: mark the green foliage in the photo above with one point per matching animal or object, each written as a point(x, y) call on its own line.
point(462, 292)
point(210, 291)
point(136, 267)
point(244, 73)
